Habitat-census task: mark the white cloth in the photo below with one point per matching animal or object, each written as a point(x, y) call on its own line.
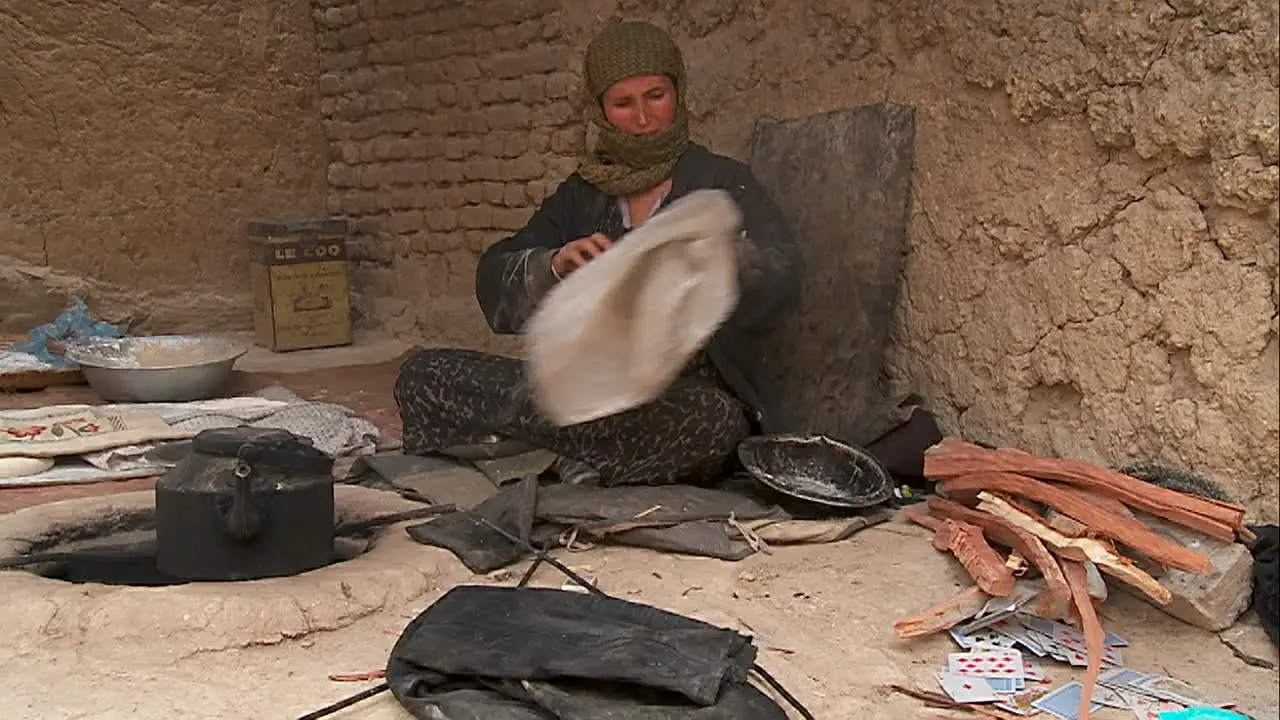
point(333, 429)
point(617, 332)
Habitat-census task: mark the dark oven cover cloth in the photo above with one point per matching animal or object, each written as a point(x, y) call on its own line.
point(484, 653)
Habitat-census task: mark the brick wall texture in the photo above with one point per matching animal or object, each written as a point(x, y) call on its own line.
point(448, 123)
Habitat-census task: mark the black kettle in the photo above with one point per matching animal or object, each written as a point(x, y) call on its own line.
point(245, 503)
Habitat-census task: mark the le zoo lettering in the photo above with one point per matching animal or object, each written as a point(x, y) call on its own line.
point(308, 253)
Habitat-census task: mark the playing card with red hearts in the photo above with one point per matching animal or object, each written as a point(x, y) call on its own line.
point(991, 663)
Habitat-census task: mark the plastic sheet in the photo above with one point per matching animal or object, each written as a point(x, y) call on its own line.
point(74, 323)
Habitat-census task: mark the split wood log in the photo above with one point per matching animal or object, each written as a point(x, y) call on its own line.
point(943, 616)
point(1133, 533)
point(1058, 595)
point(968, 545)
point(1107, 502)
point(955, 458)
point(1106, 558)
point(1091, 626)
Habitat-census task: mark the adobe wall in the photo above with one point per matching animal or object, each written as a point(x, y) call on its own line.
point(1095, 231)
point(135, 138)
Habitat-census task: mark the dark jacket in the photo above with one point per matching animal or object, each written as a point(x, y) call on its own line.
point(515, 273)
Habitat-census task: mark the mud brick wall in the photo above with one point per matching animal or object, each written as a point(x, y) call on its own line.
point(448, 123)
point(1094, 240)
point(135, 139)
point(1096, 230)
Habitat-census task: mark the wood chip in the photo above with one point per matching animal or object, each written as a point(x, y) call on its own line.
point(954, 458)
point(943, 616)
point(1106, 558)
point(1091, 626)
point(1133, 533)
point(967, 543)
point(358, 677)
point(1057, 598)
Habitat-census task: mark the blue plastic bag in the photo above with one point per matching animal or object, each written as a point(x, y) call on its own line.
point(1202, 713)
point(74, 323)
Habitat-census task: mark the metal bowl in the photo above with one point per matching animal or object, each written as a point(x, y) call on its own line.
point(159, 368)
point(817, 469)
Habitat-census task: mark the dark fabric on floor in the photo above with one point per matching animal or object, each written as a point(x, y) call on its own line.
point(450, 397)
point(481, 548)
point(542, 654)
point(1266, 578)
point(687, 520)
point(901, 449)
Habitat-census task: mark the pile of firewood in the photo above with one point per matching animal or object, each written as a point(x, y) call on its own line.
point(1062, 517)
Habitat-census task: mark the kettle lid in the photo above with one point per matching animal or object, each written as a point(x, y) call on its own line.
point(275, 447)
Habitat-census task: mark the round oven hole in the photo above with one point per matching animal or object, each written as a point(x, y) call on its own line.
point(127, 557)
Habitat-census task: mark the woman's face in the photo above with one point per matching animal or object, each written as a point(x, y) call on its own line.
point(641, 105)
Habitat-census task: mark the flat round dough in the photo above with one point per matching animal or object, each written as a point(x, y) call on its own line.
point(13, 467)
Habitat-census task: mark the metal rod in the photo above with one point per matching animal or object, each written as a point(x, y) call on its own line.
point(360, 526)
point(346, 703)
point(542, 555)
point(528, 574)
point(772, 682)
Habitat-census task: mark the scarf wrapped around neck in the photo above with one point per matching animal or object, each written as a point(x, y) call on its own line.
point(621, 163)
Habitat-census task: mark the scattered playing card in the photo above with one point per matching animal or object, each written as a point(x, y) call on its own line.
point(573, 586)
point(1068, 636)
point(1011, 627)
point(981, 622)
point(966, 689)
point(1122, 676)
point(1114, 640)
point(1167, 688)
point(1112, 656)
point(1021, 595)
point(1065, 702)
point(1031, 670)
point(994, 663)
point(1022, 703)
point(1080, 658)
point(964, 641)
point(1146, 708)
point(991, 638)
point(1111, 698)
point(1005, 684)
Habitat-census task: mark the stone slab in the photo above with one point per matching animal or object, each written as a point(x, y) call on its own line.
point(843, 180)
point(1215, 601)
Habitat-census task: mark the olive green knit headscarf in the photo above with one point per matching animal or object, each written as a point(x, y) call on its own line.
point(622, 164)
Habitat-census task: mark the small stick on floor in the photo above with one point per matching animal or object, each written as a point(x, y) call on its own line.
point(358, 677)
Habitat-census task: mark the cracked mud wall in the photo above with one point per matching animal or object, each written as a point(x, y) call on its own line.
point(135, 139)
point(1095, 232)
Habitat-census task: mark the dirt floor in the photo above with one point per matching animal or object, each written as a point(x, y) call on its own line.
point(822, 615)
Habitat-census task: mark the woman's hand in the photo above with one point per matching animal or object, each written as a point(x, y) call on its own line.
point(577, 253)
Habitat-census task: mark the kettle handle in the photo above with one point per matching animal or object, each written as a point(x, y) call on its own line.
point(244, 517)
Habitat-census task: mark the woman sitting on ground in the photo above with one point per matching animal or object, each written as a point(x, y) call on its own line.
point(642, 161)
